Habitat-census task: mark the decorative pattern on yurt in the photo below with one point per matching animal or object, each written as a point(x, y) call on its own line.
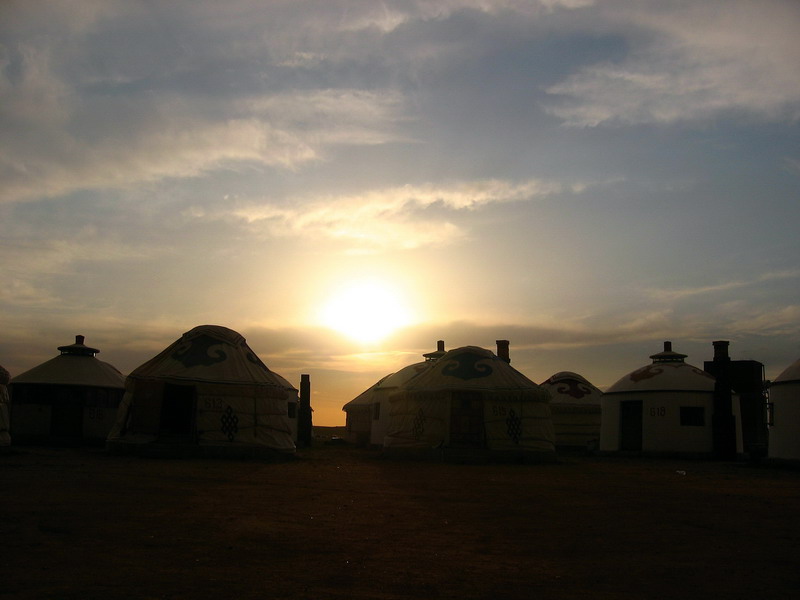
point(471, 399)
point(207, 388)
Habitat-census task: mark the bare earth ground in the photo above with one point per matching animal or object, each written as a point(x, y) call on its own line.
point(342, 522)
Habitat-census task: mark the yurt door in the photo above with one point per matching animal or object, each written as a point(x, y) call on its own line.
point(177, 410)
point(630, 425)
point(66, 420)
point(466, 420)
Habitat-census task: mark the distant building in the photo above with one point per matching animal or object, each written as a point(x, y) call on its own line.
point(669, 407)
point(207, 393)
point(784, 430)
point(69, 399)
point(471, 402)
point(575, 407)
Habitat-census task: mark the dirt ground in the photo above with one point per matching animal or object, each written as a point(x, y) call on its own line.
point(342, 522)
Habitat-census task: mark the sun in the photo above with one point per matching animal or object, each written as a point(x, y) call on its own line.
point(366, 311)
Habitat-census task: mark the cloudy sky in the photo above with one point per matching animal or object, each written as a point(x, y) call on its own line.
point(586, 179)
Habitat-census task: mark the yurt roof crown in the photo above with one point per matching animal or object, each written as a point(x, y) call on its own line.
point(437, 354)
point(668, 355)
point(78, 348)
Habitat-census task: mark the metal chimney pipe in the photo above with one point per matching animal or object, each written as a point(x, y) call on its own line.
point(723, 422)
point(667, 346)
point(79, 339)
point(721, 350)
point(440, 346)
point(502, 350)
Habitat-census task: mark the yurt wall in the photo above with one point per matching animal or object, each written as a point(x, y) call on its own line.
point(784, 431)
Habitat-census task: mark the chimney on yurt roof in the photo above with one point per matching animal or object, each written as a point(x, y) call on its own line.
point(668, 356)
point(78, 348)
point(502, 350)
point(440, 351)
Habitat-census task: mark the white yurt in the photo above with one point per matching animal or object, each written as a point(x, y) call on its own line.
point(368, 413)
point(575, 408)
point(784, 431)
point(208, 394)
point(5, 437)
point(666, 407)
point(471, 402)
point(69, 399)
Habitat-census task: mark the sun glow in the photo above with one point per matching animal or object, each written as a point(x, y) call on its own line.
point(366, 311)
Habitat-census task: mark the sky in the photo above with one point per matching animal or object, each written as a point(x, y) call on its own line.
point(346, 182)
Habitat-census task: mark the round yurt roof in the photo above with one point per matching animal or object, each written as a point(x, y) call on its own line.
point(667, 372)
point(285, 382)
point(471, 368)
point(76, 365)
point(210, 353)
point(364, 399)
point(403, 376)
point(790, 373)
point(387, 384)
point(566, 387)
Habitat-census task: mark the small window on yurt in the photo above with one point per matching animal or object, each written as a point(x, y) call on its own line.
point(376, 411)
point(693, 416)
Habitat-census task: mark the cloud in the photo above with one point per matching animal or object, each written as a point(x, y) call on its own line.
point(82, 109)
point(32, 271)
point(165, 136)
point(124, 94)
point(740, 319)
point(690, 62)
point(792, 165)
point(395, 217)
point(672, 295)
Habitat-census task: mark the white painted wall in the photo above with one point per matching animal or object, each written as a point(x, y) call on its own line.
point(662, 431)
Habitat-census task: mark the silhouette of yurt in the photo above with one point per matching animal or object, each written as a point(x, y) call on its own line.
point(575, 408)
point(368, 413)
point(468, 403)
point(69, 399)
point(5, 437)
point(359, 414)
point(784, 431)
point(205, 394)
point(666, 407)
